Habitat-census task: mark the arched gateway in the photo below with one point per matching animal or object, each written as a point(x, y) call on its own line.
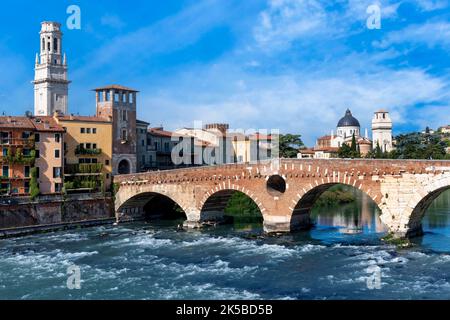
point(285, 189)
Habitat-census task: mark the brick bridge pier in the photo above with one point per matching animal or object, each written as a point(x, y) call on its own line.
point(285, 189)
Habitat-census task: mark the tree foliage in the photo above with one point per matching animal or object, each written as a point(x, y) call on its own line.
point(34, 186)
point(241, 204)
point(352, 151)
point(289, 145)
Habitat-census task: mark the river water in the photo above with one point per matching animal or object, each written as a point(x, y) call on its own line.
point(341, 258)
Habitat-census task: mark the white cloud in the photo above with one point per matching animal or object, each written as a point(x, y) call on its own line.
point(431, 34)
point(287, 21)
point(310, 103)
point(431, 5)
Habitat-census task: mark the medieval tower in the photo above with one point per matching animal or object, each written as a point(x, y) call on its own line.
point(51, 86)
point(382, 130)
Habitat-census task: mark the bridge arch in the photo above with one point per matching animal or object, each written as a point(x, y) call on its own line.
point(411, 217)
point(301, 213)
point(131, 204)
point(216, 200)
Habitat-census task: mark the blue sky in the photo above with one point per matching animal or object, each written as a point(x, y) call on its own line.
point(292, 65)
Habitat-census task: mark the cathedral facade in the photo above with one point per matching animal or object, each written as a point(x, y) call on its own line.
point(348, 127)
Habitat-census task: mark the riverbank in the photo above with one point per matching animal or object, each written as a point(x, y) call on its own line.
point(23, 215)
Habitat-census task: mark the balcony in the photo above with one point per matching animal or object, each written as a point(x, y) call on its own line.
point(83, 169)
point(79, 150)
point(19, 158)
point(29, 142)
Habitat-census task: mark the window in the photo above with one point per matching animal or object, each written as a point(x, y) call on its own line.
point(5, 171)
point(58, 187)
point(143, 158)
point(57, 172)
point(26, 134)
point(107, 96)
point(48, 46)
point(57, 137)
point(5, 152)
point(27, 171)
point(26, 152)
point(88, 146)
point(143, 143)
point(65, 146)
point(43, 44)
point(88, 130)
point(124, 135)
point(107, 176)
point(87, 161)
point(37, 154)
point(107, 162)
point(124, 97)
point(37, 172)
point(124, 115)
point(94, 146)
point(55, 44)
point(130, 98)
point(82, 130)
point(116, 97)
point(94, 130)
point(26, 186)
point(57, 153)
point(37, 137)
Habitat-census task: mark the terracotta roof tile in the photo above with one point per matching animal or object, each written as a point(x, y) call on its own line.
point(83, 118)
point(115, 87)
point(16, 122)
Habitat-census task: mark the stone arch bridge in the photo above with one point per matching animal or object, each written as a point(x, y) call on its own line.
point(285, 189)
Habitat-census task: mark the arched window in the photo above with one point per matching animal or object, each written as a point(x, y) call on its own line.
point(43, 44)
point(55, 44)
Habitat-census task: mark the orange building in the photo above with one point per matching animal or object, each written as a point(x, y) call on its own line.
point(17, 157)
point(49, 146)
point(28, 144)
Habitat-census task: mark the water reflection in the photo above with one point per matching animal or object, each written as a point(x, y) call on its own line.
point(436, 225)
point(360, 216)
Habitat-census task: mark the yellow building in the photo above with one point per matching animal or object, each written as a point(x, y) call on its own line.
point(87, 153)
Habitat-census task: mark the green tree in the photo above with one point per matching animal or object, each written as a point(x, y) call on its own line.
point(240, 204)
point(352, 151)
point(353, 145)
point(34, 187)
point(289, 145)
point(420, 146)
point(345, 151)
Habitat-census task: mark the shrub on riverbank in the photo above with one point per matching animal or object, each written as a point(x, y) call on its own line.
point(241, 206)
point(336, 195)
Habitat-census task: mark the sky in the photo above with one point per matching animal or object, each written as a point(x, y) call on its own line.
point(290, 65)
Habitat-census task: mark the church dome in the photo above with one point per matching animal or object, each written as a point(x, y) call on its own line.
point(348, 120)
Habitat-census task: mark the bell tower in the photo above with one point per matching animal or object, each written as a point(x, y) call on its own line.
point(382, 130)
point(51, 87)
